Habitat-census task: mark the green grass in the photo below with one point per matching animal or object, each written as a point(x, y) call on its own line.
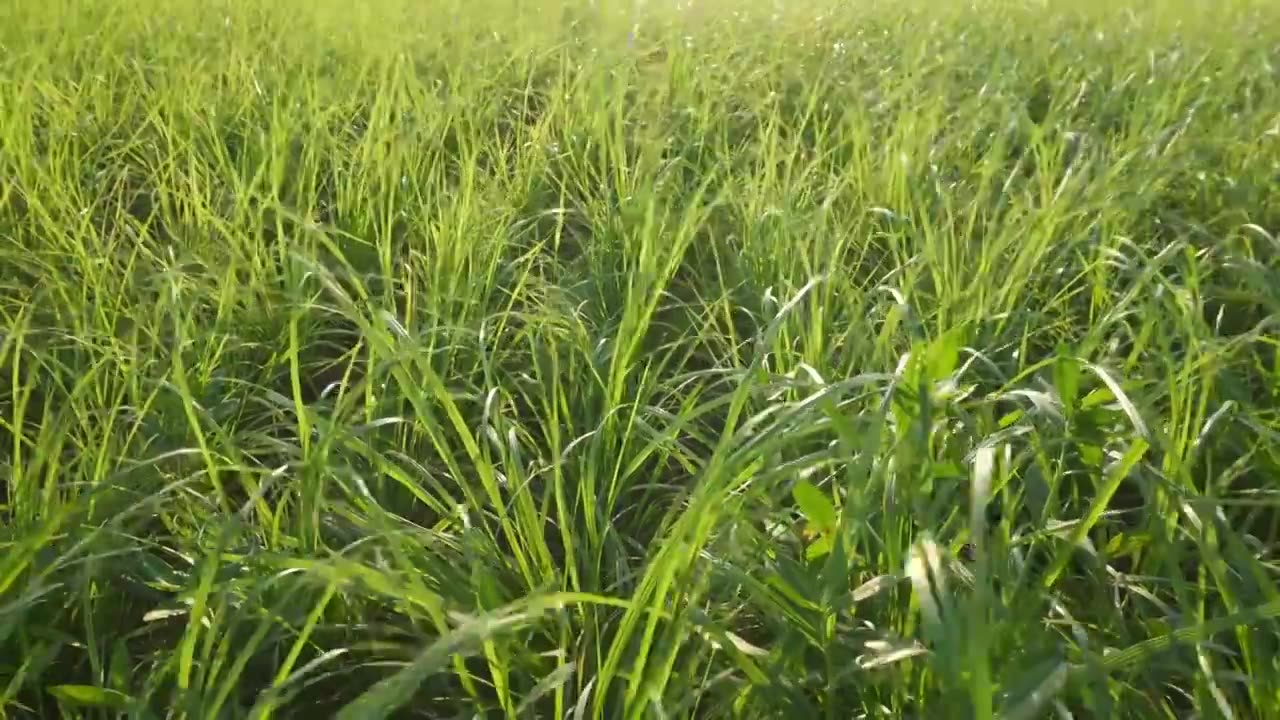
point(514, 359)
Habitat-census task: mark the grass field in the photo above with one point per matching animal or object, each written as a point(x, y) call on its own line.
point(508, 358)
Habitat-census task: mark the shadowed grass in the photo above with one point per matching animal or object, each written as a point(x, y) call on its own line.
point(532, 360)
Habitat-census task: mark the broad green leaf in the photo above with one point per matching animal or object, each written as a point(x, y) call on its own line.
point(943, 354)
point(818, 548)
point(120, 671)
point(816, 506)
point(1066, 380)
point(90, 696)
point(1011, 418)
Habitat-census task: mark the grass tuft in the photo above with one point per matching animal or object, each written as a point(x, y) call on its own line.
point(504, 359)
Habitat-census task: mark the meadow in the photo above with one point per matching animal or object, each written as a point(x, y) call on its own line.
point(558, 359)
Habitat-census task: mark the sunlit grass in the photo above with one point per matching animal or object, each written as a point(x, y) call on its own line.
point(504, 359)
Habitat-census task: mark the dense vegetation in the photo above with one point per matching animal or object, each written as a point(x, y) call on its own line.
point(519, 359)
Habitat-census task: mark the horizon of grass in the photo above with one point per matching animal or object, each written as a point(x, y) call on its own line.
point(514, 359)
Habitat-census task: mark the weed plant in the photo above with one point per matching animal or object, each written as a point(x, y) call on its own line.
point(513, 358)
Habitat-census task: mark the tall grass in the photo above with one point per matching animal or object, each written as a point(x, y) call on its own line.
point(514, 359)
